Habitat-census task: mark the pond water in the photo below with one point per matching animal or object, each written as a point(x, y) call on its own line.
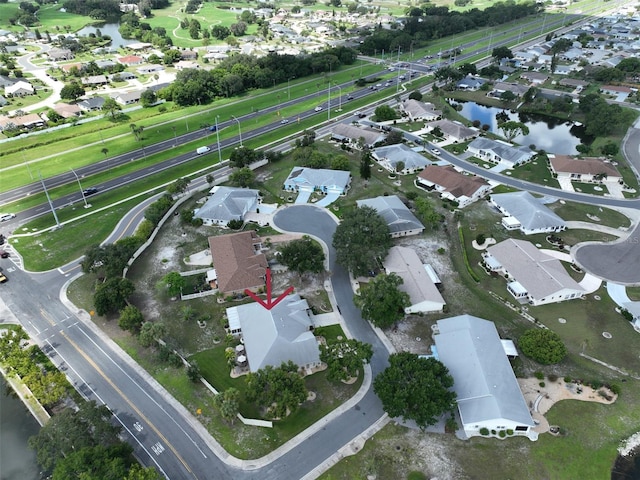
point(17, 460)
point(546, 133)
point(626, 468)
point(110, 29)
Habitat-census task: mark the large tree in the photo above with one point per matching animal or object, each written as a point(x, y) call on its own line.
point(279, 391)
point(542, 345)
point(243, 177)
point(381, 301)
point(512, 129)
point(362, 240)
point(111, 107)
point(302, 256)
point(228, 402)
point(345, 358)
point(112, 295)
point(71, 91)
point(499, 53)
point(131, 318)
point(415, 388)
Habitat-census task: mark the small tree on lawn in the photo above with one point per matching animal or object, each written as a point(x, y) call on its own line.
point(415, 388)
point(112, 295)
point(542, 345)
point(131, 318)
point(279, 391)
point(228, 403)
point(345, 358)
point(302, 256)
point(150, 332)
point(174, 283)
point(382, 302)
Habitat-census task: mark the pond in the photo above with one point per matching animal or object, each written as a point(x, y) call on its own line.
point(110, 29)
point(546, 133)
point(626, 468)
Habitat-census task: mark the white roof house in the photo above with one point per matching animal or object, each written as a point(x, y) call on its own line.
point(399, 218)
point(227, 204)
point(417, 282)
point(391, 155)
point(488, 394)
point(352, 134)
point(454, 131)
point(318, 179)
point(500, 152)
point(526, 213)
point(19, 89)
point(278, 335)
point(532, 275)
point(417, 110)
point(584, 169)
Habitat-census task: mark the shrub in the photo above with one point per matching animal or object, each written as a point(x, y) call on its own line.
point(615, 388)
point(542, 345)
point(441, 251)
point(466, 258)
point(509, 432)
point(480, 239)
point(539, 375)
point(484, 431)
point(416, 476)
point(542, 384)
point(595, 384)
point(502, 434)
point(493, 432)
point(552, 377)
point(567, 379)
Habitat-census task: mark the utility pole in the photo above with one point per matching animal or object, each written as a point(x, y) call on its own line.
point(84, 197)
point(218, 139)
point(239, 129)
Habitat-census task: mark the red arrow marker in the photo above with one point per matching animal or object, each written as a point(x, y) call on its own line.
point(270, 303)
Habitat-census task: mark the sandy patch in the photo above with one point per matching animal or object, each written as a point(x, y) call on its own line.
point(541, 399)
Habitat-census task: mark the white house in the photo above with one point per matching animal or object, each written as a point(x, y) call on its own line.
point(226, 204)
point(323, 180)
point(417, 283)
point(594, 170)
point(532, 275)
point(390, 156)
point(458, 187)
point(399, 218)
point(417, 111)
point(453, 131)
point(488, 394)
point(353, 135)
point(500, 152)
point(526, 213)
point(19, 89)
point(283, 333)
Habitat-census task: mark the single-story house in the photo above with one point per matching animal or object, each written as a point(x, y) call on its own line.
point(420, 111)
point(238, 263)
point(122, 76)
point(616, 89)
point(19, 89)
point(57, 54)
point(500, 152)
point(526, 213)
point(95, 80)
point(470, 83)
point(318, 180)
point(3, 101)
point(67, 110)
point(598, 170)
point(186, 64)
point(130, 60)
point(91, 104)
point(226, 204)
point(515, 88)
point(188, 55)
point(283, 333)
point(574, 83)
point(399, 218)
point(532, 275)
point(30, 120)
point(352, 134)
point(139, 46)
point(487, 391)
point(417, 283)
point(454, 131)
point(390, 156)
point(127, 98)
point(535, 78)
point(453, 185)
point(6, 81)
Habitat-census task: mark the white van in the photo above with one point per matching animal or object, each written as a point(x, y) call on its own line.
point(202, 150)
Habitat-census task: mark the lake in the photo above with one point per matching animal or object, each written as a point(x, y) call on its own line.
point(110, 29)
point(17, 460)
point(546, 133)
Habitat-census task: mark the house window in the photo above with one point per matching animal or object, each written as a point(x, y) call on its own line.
point(521, 428)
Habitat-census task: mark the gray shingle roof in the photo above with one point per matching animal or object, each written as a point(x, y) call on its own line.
point(484, 381)
point(506, 152)
point(401, 153)
point(228, 204)
point(277, 335)
point(528, 210)
point(318, 178)
point(398, 217)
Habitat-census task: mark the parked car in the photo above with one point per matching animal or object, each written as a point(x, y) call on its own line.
point(4, 254)
point(435, 151)
point(3, 278)
point(89, 191)
point(6, 216)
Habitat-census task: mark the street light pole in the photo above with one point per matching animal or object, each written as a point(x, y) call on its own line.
point(84, 197)
point(329, 102)
point(289, 88)
point(339, 98)
point(53, 210)
point(26, 163)
point(239, 129)
point(218, 139)
point(175, 138)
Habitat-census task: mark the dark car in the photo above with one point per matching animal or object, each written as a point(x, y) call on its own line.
point(349, 97)
point(4, 254)
point(213, 128)
point(90, 191)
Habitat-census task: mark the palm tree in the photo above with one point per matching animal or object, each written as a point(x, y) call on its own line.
point(105, 151)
